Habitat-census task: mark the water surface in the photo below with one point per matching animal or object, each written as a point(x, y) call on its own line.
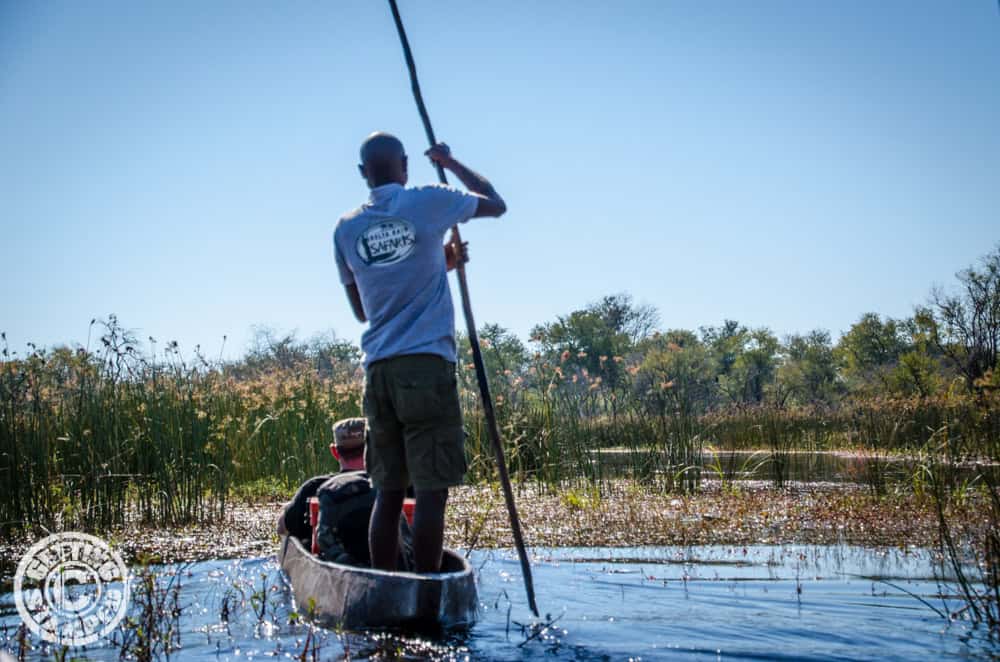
point(756, 602)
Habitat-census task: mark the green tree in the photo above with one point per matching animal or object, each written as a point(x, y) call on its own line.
point(809, 370)
point(725, 342)
point(504, 354)
point(590, 338)
point(746, 360)
point(870, 353)
point(676, 377)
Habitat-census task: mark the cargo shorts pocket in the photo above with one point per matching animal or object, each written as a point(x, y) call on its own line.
point(430, 399)
point(449, 456)
point(439, 458)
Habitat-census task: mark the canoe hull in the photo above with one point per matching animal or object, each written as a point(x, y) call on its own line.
point(354, 598)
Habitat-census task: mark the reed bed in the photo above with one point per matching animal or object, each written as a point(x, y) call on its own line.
point(95, 437)
point(559, 421)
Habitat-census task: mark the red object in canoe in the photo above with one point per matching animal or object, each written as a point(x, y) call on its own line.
point(314, 522)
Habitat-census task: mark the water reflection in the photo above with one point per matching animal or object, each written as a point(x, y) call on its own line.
point(788, 465)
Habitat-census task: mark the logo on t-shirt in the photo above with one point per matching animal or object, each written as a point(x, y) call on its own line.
point(387, 242)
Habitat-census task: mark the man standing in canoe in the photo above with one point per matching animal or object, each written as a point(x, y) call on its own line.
point(390, 258)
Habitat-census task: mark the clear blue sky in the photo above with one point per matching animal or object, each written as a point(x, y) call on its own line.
point(790, 164)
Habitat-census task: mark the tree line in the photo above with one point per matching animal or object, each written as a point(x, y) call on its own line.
point(949, 343)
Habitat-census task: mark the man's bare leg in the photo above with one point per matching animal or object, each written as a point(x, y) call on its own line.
point(428, 529)
point(383, 529)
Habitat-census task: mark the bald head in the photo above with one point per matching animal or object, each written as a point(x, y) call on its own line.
point(383, 160)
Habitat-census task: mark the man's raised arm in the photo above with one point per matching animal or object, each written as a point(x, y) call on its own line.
point(490, 202)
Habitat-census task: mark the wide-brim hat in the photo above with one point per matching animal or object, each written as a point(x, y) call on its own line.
point(349, 433)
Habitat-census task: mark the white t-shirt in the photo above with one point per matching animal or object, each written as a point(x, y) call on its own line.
point(392, 249)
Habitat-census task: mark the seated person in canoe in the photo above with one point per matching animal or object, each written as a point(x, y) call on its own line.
point(345, 499)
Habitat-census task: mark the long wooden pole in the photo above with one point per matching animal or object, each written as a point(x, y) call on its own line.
point(470, 324)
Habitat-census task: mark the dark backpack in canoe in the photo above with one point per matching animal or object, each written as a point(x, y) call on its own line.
point(345, 508)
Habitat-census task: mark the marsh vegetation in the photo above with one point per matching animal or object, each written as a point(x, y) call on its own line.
point(89, 434)
point(120, 431)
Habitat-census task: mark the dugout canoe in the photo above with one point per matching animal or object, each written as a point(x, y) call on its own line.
point(353, 597)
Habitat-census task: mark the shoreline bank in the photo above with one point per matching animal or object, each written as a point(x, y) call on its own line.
point(617, 514)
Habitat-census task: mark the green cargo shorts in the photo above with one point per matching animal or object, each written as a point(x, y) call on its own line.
point(414, 423)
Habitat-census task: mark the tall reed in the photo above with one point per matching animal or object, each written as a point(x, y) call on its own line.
point(94, 437)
